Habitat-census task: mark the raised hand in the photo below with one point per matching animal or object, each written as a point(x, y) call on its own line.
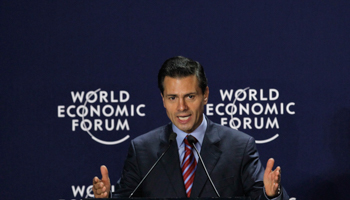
point(272, 179)
point(101, 188)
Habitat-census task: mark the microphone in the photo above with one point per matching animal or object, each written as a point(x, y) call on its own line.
point(172, 137)
point(192, 141)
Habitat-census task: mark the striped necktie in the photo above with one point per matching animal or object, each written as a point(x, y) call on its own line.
point(189, 166)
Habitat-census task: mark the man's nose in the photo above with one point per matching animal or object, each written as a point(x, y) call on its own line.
point(182, 106)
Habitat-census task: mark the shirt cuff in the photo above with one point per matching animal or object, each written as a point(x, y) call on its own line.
point(276, 198)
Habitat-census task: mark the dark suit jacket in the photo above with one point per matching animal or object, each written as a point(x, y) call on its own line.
point(230, 156)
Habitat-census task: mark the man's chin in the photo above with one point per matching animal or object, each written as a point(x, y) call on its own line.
point(188, 130)
point(185, 129)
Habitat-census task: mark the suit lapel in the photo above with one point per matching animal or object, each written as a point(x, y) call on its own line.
point(171, 163)
point(210, 154)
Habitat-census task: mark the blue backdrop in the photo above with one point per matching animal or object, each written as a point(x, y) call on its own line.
point(277, 70)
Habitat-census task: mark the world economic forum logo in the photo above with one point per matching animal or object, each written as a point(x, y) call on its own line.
point(250, 108)
point(100, 111)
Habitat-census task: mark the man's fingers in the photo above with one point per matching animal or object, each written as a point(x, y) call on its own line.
point(95, 180)
point(104, 173)
point(101, 190)
point(97, 186)
point(272, 179)
point(278, 168)
point(102, 195)
point(269, 165)
point(101, 186)
point(278, 174)
point(95, 183)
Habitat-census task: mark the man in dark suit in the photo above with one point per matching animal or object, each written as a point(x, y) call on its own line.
point(230, 156)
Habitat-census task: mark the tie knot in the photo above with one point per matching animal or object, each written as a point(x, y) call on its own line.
point(186, 140)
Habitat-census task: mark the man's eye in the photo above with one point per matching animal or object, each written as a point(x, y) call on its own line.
point(171, 98)
point(190, 96)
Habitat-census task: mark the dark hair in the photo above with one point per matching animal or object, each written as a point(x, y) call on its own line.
point(179, 67)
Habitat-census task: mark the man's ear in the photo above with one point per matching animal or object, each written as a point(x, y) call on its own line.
point(162, 98)
point(206, 95)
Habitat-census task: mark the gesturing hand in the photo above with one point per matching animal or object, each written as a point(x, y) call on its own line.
point(102, 187)
point(272, 179)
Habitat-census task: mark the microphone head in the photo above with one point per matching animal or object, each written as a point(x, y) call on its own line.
point(191, 139)
point(172, 136)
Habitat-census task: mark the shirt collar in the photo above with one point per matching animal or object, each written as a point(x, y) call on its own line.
point(198, 133)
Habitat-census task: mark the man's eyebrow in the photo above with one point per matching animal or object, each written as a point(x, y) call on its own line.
point(171, 95)
point(190, 93)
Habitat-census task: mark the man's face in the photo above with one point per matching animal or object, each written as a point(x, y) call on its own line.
point(184, 102)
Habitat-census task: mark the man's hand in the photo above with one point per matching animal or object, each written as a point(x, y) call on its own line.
point(272, 179)
point(102, 187)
